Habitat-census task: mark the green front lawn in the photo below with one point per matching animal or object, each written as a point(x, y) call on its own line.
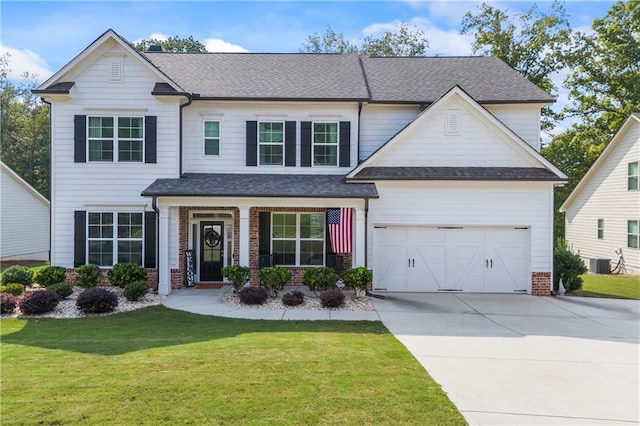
point(616, 286)
point(160, 366)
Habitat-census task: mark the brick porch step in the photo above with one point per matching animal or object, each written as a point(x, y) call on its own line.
point(209, 285)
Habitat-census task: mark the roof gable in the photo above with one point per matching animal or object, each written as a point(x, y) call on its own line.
point(6, 170)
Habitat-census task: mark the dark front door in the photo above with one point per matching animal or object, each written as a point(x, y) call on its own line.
point(211, 250)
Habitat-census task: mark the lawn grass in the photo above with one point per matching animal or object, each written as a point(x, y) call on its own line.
point(160, 366)
point(614, 286)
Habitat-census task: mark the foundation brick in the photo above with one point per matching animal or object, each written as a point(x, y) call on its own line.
point(541, 283)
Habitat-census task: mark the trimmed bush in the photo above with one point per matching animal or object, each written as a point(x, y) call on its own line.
point(333, 298)
point(88, 276)
point(238, 275)
point(97, 301)
point(293, 298)
point(136, 290)
point(62, 289)
point(38, 302)
point(13, 288)
point(124, 273)
point(321, 278)
point(8, 303)
point(567, 266)
point(253, 295)
point(358, 278)
point(50, 275)
point(17, 274)
point(275, 278)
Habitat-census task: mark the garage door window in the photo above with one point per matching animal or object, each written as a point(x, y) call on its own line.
point(298, 239)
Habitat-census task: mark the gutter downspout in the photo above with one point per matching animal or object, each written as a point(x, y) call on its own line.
point(360, 104)
point(154, 206)
point(182, 106)
point(366, 229)
point(50, 175)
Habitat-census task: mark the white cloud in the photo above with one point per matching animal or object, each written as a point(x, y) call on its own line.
point(21, 61)
point(158, 36)
point(219, 45)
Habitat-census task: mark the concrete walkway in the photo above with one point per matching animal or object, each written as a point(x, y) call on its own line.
point(502, 359)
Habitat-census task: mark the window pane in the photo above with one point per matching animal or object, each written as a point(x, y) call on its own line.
point(130, 252)
point(633, 169)
point(633, 182)
point(100, 150)
point(325, 155)
point(101, 253)
point(211, 129)
point(130, 127)
point(271, 155)
point(130, 225)
point(211, 147)
point(284, 252)
point(312, 225)
point(311, 253)
point(632, 227)
point(632, 241)
point(325, 133)
point(100, 127)
point(130, 150)
point(271, 133)
point(284, 226)
point(100, 225)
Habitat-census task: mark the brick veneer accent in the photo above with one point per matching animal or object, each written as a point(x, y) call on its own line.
point(541, 283)
point(152, 277)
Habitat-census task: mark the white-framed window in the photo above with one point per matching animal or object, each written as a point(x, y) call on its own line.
point(211, 137)
point(115, 237)
point(633, 233)
point(298, 239)
point(600, 229)
point(633, 173)
point(115, 139)
point(271, 143)
point(325, 143)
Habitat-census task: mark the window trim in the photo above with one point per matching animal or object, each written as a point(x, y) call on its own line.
point(116, 139)
point(205, 138)
point(636, 235)
point(600, 227)
point(314, 144)
point(282, 144)
point(636, 176)
point(114, 235)
point(298, 239)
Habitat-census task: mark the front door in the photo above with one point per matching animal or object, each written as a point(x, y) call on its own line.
point(211, 250)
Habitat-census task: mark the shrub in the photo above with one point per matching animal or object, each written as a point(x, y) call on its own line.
point(38, 302)
point(358, 278)
point(321, 278)
point(61, 289)
point(97, 301)
point(88, 275)
point(124, 273)
point(136, 290)
point(238, 275)
point(50, 275)
point(333, 298)
point(253, 295)
point(17, 274)
point(567, 266)
point(275, 278)
point(13, 288)
point(8, 303)
point(293, 298)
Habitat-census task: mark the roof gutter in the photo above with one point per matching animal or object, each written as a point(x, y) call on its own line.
point(182, 106)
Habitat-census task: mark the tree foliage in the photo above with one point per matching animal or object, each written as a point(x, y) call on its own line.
point(172, 44)
point(329, 42)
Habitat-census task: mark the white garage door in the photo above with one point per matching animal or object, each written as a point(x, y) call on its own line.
point(424, 259)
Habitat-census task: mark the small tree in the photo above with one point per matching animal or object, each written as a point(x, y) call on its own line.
point(322, 278)
point(567, 266)
point(274, 278)
point(238, 275)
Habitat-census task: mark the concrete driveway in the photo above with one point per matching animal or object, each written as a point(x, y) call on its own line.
point(525, 360)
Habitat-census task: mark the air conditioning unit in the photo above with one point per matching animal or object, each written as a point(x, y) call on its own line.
point(600, 266)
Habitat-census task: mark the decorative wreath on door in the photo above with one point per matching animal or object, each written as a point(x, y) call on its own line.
point(211, 238)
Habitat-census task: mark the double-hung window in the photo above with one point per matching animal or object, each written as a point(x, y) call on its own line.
point(298, 239)
point(600, 229)
point(116, 139)
point(325, 144)
point(271, 143)
point(211, 137)
point(633, 173)
point(115, 237)
point(633, 233)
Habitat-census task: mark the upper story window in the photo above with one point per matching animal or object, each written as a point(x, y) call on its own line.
point(211, 137)
point(325, 144)
point(298, 238)
point(600, 229)
point(633, 175)
point(116, 139)
point(114, 237)
point(633, 233)
point(271, 143)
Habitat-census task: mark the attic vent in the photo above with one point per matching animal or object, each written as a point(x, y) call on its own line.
point(114, 70)
point(453, 122)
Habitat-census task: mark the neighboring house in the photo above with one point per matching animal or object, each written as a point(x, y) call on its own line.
point(24, 219)
point(602, 214)
point(181, 160)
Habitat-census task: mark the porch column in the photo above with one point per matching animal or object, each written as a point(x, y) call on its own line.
point(164, 271)
point(359, 239)
point(245, 240)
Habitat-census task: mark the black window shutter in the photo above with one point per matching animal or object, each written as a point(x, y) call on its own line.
point(345, 144)
point(79, 237)
point(150, 138)
point(264, 246)
point(305, 144)
point(80, 139)
point(150, 239)
point(252, 143)
point(290, 143)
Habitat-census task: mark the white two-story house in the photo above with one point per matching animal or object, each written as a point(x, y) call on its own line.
point(425, 170)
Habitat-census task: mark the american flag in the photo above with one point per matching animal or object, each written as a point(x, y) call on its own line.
point(340, 229)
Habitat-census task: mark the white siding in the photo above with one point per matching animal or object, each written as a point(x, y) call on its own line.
point(605, 196)
point(24, 220)
point(469, 204)
point(233, 117)
point(91, 185)
point(524, 120)
point(378, 124)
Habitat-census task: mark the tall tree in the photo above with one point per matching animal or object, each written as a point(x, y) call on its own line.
point(172, 44)
point(605, 78)
point(534, 43)
point(329, 42)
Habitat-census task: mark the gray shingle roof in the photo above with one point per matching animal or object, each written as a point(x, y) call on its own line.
point(425, 79)
point(264, 75)
point(455, 173)
point(260, 185)
point(58, 88)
